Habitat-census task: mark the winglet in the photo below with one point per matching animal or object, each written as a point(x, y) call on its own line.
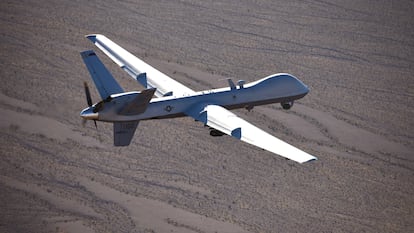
point(91, 37)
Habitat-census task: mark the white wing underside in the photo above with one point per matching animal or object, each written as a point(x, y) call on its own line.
point(227, 122)
point(214, 116)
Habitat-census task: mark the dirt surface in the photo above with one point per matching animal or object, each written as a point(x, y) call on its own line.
point(356, 56)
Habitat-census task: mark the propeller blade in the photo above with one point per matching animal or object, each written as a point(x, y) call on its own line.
point(88, 94)
point(89, 101)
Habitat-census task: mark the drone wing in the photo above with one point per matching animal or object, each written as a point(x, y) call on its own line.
point(227, 122)
point(145, 74)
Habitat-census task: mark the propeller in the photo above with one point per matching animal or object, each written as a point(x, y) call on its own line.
point(89, 102)
point(88, 94)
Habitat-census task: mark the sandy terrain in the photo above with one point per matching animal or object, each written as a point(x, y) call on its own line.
point(57, 176)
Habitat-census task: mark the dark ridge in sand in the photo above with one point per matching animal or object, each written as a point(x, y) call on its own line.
point(356, 56)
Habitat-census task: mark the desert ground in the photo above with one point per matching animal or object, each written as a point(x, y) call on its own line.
point(356, 57)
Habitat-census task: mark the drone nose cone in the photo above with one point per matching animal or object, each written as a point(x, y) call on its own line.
point(300, 86)
point(88, 114)
point(305, 88)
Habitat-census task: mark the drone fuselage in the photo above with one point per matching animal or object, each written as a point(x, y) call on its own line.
point(278, 88)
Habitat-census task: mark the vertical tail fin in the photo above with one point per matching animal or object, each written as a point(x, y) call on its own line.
point(124, 132)
point(139, 104)
point(104, 82)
